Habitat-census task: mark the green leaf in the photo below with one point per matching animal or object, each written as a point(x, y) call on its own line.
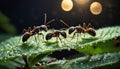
point(12, 64)
point(4, 37)
point(86, 62)
point(89, 62)
point(104, 42)
point(38, 57)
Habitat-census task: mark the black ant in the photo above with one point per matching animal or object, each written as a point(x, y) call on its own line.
point(36, 29)
point(79, 29)
point(27, 34)
point(55, 33)
point(89, 29)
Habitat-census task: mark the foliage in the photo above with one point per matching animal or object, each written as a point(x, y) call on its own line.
point(101, 50)
point(5, 24)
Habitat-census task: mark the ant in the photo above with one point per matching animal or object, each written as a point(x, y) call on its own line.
point(79, 29)
point(36, 29)
point(56, 33)
point(89, 29)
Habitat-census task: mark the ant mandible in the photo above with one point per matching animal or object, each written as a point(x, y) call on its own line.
point(36, 29)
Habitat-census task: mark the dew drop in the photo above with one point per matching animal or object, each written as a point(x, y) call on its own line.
point(63, 58)
point(68, 49)
point(81, 63)
point(75, 61)
point(104, 41)
point(82, 47)
point(43, 63)
point(90, 60)
point(91, 44)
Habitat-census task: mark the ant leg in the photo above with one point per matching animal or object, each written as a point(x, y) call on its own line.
point(41, 34)
point(19, 39)
point(56, 39)
point(83, 34)
point(24, 30)
point(35, 39)
point(60, 40)
point(89, 26)
point(73, 35)
point(29, 29)
point(77, 37)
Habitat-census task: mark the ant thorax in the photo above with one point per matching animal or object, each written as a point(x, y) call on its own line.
point(79, 29)
point(56, 33)
point(36, 29)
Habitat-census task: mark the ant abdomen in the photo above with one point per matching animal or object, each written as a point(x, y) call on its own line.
point(49, 36)
point(91, 31)
point(26, 36)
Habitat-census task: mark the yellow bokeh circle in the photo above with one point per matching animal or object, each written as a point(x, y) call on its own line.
point(67, 5)
point(96, 8)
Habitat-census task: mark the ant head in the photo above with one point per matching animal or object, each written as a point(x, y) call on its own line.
point(63, 34)
point(71, 29)
point(44, 27)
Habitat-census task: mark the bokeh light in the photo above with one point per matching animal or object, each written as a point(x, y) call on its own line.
point(96, 8)
point(67, 5)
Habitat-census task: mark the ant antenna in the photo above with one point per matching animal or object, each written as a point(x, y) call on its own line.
point(64, 23)
point(45, 18)
point(46, 23)
point(50, 21)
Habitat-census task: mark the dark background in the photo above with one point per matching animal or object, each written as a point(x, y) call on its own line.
point(27, 13)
